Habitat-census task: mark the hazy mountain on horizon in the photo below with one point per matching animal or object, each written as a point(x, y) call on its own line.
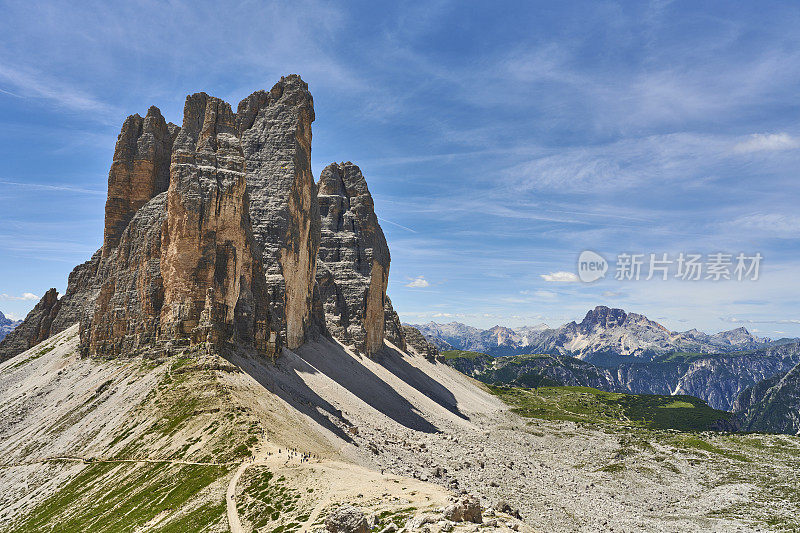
point(7, 325)
point(603, 330)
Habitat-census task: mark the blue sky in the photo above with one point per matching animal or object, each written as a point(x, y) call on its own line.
point(499, 139)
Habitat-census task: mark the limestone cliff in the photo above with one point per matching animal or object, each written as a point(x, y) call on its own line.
point(185, 270)
point(139, 172)
point(214, 286)
point(212, 235)
point(392, 327)
point(275, 129)
point(354, 250)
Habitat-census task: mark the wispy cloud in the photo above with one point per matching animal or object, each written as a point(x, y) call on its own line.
point(396, 224)
point(735, 320)
point(774, 224)
point(29, 83)
point(767, 142)
point(52, 187)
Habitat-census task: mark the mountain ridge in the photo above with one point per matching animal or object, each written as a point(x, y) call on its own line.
point(602, 331)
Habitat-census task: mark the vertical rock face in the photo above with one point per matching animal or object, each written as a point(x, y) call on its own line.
point(392, 327)
point(354, 251)
point(275, 131)
point(124, 316)
point(416, 342)
point(139, 172)
point(82, 289)
point(214, 286)
point(187, 269)
point(34, 329)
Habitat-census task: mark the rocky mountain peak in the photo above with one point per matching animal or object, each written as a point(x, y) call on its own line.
point(139, 172)
point(212, 235)
point(354, 258)
point(605, 317)
point(275, 131)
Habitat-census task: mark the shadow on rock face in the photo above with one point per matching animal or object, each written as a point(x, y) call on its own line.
point(282, 380)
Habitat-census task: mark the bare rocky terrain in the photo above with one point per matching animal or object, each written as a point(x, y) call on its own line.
point(397, 436)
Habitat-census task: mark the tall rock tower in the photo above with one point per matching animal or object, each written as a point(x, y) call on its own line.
point(139, 172)
point(354, 257)
point(275, 129)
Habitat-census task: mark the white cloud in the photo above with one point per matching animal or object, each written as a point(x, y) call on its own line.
point(734, 320)
point(613, 294)
point(560, 277)
point(32, 84)
point(767, 142)
point(546, 295)
point(26, 296)
point(418, 283)
point(775, 224)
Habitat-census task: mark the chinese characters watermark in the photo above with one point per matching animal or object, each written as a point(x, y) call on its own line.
point(716, 266)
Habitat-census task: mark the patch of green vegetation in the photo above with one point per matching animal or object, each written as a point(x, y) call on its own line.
point(592, 406)
point(696, 443)
point(613, 468)
point(37, 355)
point(268, 504)
point(45, 350)
point(397, 517)
point(183, 412)
point(462, 354)
point(119, 497)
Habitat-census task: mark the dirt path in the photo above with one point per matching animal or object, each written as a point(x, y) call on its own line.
point(89, 460)
point(266, 455)
point(230, 500)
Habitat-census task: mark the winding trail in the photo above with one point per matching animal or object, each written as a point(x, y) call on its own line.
point(266, 456)
point(89, 460)
point(230, 500)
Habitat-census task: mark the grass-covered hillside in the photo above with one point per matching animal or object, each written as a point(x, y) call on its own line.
point(535, 370)
point(592, 406)
point(125, 445)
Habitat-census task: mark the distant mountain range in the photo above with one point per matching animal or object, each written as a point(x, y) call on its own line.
point(612, 350)
point(603, 336)
point(7, 325)
point(718, 379)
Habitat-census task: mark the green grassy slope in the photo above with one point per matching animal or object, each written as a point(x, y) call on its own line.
point(142, 481)
point(586, 405)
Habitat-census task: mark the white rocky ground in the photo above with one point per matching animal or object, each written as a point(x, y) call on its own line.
point(371, 427)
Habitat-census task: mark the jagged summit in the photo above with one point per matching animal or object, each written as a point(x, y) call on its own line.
point(213, 235)
point(354, 269)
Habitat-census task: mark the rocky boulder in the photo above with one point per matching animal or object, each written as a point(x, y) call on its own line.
point(347, 519)
point(464, 509)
